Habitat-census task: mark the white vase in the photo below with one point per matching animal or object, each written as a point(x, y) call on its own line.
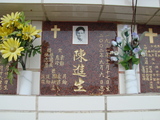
point(131, 82)
point(25, 83)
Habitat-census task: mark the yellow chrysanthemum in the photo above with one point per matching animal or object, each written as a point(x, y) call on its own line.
point(11, 49)
point(9, 20)
point(29, 31)
point(18, 25)
point(4, 32)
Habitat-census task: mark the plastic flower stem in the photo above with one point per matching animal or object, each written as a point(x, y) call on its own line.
point(22, 63)
point(25, 60)
point(127, 38)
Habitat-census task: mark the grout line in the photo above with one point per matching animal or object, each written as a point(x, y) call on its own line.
point(17, 110)
point(135, 110)
point(94, 111)
point(76, 111)
point(101, 10)
point(37, 108)
point(105, 102)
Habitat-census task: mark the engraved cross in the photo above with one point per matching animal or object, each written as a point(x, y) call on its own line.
point(55, 30)
point(151, 35)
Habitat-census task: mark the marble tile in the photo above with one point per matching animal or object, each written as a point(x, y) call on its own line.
point(139, 115)
point(121, 83)
point(144, 3)
point(70, 103)
point(17, 116)
point(148, 3)
point(13, 102)
point(125, 116)
point(71, 116)
point(133, 102)
point(151, 115)
point(117, 2)
point(36, 83)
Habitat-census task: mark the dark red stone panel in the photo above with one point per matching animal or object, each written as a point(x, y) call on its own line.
point(5, 86)
point(78, 69)
point(150, 64)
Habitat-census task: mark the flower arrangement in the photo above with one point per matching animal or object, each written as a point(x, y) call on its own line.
point(16, 42)
point(130, 49)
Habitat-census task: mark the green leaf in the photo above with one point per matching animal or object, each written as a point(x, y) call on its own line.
point(126, 33)
point(126, 47)
point(3, 61)
point(135, 60)
point(10, 77)
point(124, 64)
point(27, 22)
point(14, 33)
point(34, 52)
point(16, 70)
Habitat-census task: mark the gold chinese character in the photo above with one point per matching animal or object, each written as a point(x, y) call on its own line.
point(101, 62)
point(100, 40)
point(101, 67)
point(49, 50)
point(64, 82)
point(64, 76)
point(61, 63)
point(107, 88)
point(79, 70)
point(101, 55)
point(79, 55)
point(101, 75)
point(101, 89)
point(101, 81)
point(79, 85)
point(43, 82)
point(5, 87)
point(57, 57)
point(60, 50)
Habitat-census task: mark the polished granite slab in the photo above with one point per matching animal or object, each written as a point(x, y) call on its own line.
point(69, 67)
point(150, 64)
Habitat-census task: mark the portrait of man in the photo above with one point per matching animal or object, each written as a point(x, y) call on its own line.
point(80, 35)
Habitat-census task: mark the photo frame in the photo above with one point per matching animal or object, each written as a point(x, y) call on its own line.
point(80, 35)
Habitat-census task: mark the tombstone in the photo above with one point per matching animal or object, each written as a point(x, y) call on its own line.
point(150, 65)
point(75, 60)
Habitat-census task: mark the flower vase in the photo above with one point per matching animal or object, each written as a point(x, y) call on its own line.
point(25, 83)
point(131, 82)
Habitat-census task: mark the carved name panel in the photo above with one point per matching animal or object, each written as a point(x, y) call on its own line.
point(75, 60)
point(150, 64)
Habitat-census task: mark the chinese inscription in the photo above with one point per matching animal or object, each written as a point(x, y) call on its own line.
point(79, 55)
point(5, 86)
